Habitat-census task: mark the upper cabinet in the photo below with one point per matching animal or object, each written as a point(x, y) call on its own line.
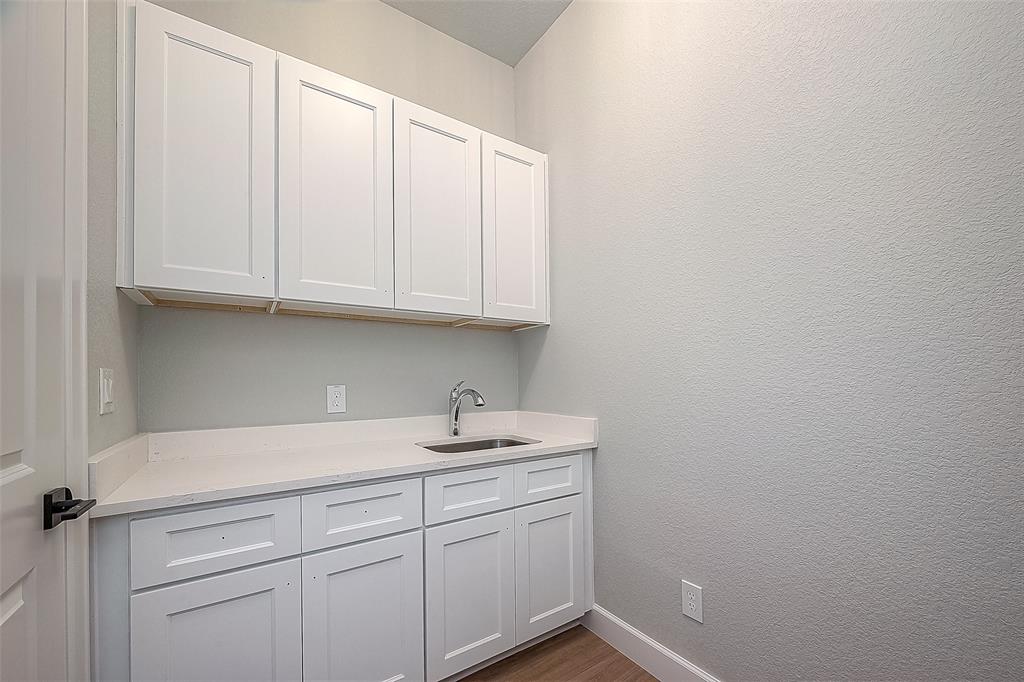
point(261, 182)
point(515, 231)
point(204, 158)
point(334, 175)
point(437, 213)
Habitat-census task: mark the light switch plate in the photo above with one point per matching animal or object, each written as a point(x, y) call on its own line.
point(106, 390)
point(693, 601)
point(336, 399)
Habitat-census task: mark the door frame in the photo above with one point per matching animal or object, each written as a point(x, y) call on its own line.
point(76, 125)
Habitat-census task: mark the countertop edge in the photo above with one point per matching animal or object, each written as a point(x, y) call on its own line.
point(104, 509)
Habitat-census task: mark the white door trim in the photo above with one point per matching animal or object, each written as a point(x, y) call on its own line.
point(76, 124)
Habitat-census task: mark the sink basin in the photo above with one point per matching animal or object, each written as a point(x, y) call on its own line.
point(451, 446)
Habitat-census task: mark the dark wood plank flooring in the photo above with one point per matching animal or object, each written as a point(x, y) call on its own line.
point(575, 655)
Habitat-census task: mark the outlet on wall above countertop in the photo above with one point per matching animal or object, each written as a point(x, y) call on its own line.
point(337, 399)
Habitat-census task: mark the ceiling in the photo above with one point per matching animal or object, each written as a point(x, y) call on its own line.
point(504, 29)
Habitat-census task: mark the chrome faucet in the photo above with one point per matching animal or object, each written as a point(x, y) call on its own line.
point(455, 405)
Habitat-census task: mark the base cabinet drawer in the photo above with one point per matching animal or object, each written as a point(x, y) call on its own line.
point(470, 593)
point(447, 497)
point(362, 611)
point(179, 546)
point(550, 569)
point(243, 626)
point(546, 479)
point(340, 517)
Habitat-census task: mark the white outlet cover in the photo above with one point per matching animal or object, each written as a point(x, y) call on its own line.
point(336, 399)
point(693, 601)
point(106, 390)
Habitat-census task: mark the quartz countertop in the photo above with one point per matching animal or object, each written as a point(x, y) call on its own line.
point(160, 471)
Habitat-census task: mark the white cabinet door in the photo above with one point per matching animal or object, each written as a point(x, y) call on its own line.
point(244, 625)
point(362, 611)
point(550, 573)
point(335, 202)
point(437, 213)
point(204, 158)
point(515, 231)
point(470, 592)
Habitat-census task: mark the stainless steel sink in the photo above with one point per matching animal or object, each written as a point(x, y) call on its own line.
point(452, 446)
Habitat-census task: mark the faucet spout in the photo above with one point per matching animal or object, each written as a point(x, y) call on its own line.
point(455, 405)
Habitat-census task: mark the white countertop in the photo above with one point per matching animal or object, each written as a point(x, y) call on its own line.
point(158, 471)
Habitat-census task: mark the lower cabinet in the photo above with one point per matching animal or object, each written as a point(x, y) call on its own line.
point(416, 603)
point(362, 611)
point(497, 581)
point(470, 592)
point(244, 625)
point(550, 566)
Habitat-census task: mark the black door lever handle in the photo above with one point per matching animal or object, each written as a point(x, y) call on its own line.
point(59, 506)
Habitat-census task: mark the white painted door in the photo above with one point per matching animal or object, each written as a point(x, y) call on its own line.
point(437, 213)
point(515, 231)
point(550, 574)
point(204, 158)
point(42, 133)
point(245, 625)
point(336, 236)
point(470, 592)
point(362, 611)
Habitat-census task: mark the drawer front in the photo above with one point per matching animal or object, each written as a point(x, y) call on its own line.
point(545, 479)
point(167, 548)
point(338, 517)
point(467, 493)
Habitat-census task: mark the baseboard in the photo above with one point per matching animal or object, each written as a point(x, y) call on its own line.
point(655, 658)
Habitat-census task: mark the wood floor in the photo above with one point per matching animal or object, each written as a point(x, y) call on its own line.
point(576, 654)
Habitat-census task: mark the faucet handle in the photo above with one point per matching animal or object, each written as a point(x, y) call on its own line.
point(455, 391)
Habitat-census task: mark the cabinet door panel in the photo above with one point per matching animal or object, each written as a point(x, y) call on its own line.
point(362, 611)
point(204, 158)
point(550, 574)
point(437, 213)
point(244, 625)
point(470, 592)
point(515, 231)
point(335, 172)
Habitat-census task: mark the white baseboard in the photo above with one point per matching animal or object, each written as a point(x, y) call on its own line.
point(655, 658)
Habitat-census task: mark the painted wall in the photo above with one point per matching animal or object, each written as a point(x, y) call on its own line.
point(375, 44)
point(225, 370)
point(112, 317)
point(787, 271)
point(208, 369)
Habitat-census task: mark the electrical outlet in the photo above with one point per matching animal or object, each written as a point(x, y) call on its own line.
point(693, 601)
point(336, 400)
point(106, 390)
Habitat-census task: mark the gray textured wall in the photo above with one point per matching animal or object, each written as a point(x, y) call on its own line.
point(788, 275)
point(375, 44)
point(204, 369)
point(112, 317)
point(365, 40)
